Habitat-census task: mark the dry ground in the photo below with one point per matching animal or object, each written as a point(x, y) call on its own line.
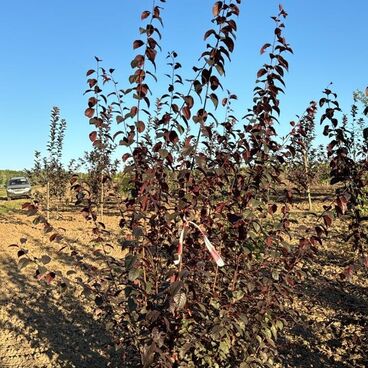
point(39, 326)
point(328, 319)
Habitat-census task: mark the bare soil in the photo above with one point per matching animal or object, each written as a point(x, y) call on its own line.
point(41, 326)
point(328, 317)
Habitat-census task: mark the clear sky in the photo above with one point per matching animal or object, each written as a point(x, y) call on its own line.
point(47, 46)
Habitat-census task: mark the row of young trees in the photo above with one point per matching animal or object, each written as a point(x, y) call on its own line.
point(49, 171)
point(212, 250)
point(51, 177)
point(310, 164)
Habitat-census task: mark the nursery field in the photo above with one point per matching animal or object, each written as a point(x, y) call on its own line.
point(187, 225)
point(44, 326)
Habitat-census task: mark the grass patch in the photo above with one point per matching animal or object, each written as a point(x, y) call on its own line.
point(7, 207)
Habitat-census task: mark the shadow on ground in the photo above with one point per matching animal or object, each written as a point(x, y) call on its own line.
point(39, 328)
point(329, 323)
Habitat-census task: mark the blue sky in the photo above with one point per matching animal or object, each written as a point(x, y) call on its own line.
point(47, 46)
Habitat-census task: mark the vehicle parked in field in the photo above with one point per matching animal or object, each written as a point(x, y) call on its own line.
point(18, 187)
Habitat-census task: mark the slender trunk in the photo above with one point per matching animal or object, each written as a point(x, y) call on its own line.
point(102, 200)
point(48, 201)
point(309, 198)
point(306, 170)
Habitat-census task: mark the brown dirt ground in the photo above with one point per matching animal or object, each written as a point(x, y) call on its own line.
point(328, 317)
point(41, 327)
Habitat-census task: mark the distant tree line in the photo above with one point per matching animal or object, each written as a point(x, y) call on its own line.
point(5, 175)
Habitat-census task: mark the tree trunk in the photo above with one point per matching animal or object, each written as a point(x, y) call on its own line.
point(308, 189)
point(48, 201)
point(102, 200)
